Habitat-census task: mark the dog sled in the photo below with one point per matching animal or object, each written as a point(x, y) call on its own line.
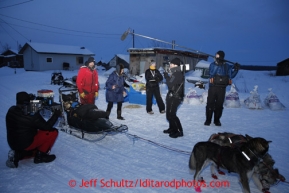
point(84, 121)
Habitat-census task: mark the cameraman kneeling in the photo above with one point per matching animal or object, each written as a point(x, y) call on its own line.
point(27, 132)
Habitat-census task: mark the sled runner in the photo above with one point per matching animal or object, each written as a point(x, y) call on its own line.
point(84, 121)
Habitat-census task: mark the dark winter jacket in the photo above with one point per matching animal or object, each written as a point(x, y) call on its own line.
point(115, 95)
point(21, 128)
point(222, 70)
point(153, 78)
point(175, 83)
point(87, 80)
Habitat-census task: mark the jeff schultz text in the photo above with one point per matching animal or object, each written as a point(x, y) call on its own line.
point(146, 183)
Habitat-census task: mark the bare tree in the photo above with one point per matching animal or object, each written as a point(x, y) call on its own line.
point(5, 47)
point(19, 47)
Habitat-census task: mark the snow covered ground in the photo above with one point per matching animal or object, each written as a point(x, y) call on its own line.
point(122, 163)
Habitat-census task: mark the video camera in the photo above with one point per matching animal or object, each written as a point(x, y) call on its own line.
point(40, 104)
point(32, 107)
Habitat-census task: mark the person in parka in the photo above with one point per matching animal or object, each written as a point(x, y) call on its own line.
point(217, 91)
point(115, 90)
point(28, 132)
point(87, 82)
point(153, 78)
point(174, 98)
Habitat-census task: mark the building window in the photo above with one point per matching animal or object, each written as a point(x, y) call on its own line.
point(80, 60)
point(49, 60)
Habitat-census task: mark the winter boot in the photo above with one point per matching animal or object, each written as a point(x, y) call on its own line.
point(107, 114)
point(209, 114)
point(217, 116)
point(41, 157)
point(178, 133)
point(168, 131)
point(13, 159)
point(119, 115)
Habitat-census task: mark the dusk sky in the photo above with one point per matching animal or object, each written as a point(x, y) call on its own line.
point(250, 32)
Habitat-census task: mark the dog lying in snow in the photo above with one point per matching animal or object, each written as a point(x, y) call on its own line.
point(240, 160)
point(266, 175)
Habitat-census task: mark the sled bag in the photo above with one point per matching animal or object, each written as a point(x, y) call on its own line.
point(221, 80)
point(90, 112)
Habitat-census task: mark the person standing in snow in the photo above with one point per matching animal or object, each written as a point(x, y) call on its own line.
point(174, 98)
point(221, 75)
point(115, 90)
point(153, 78)
point(29, 132)
point(87, 82)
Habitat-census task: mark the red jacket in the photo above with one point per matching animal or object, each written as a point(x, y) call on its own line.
point(87, 80)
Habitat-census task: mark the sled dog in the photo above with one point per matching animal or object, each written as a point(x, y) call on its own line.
point(264, 174)
point(240, 160)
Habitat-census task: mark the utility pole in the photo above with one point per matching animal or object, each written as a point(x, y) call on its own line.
point(133, 39)
point(173, 44)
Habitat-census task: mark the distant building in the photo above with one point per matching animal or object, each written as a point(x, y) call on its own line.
point(41, 57)
point(283, 68)
point(140, 58)
point(119, 58)
point(11, 58)
point(203, 66)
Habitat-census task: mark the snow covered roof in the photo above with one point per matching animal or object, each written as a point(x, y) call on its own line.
point(55, 48)
point(14, 51)
point(203, 64)
point(10, 56)
point(167, 51)
point(124, 57)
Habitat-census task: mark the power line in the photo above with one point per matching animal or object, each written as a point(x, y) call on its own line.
point(52, 31)
point(8, 33)
point(59, 27)
point(14, 30)
point(15, 4)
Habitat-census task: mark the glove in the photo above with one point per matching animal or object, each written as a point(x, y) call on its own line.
point(166, 75)
point(211, 80)
point(58, 112)
point(82, 95)
point(157, 79)
point(96, 94)
point(237, 66)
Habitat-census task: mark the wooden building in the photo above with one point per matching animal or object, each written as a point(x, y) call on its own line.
point(140, 58)
point(283, 68)
point(11, 58)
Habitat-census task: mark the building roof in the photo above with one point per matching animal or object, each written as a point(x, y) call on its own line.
point(124, 57)
point(10, 52)
point(167, 51)
point(203, 64)
point(56, 49)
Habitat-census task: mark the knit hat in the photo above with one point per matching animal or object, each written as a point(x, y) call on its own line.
point(176, 61)
point(221, 54)
point(22, 98)
point(90, 59)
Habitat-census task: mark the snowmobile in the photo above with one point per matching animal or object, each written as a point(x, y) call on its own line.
point(84, 121)
point(56, 78)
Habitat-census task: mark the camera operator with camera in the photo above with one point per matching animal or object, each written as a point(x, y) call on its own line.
point(221, 75)
point(28, 132)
